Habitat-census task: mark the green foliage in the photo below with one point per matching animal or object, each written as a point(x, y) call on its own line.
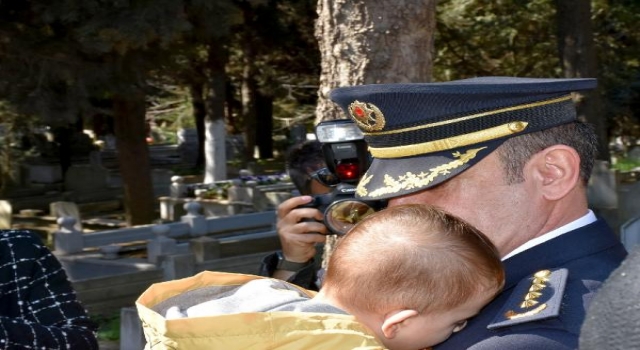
point(482, 37)
point(286, 54)
point(619, 56)
point(626, 164)
point(169, 110)
point(108, 327)
point(15, 143)
point(518, 38)
point(58, 54)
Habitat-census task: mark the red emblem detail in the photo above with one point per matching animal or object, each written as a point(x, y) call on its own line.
point(368, 116)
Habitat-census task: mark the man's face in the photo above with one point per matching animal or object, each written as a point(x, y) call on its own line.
point(507, 214)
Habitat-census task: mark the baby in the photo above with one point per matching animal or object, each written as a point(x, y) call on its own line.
point(430, 273)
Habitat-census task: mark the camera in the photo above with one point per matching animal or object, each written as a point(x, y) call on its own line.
point(347, 159)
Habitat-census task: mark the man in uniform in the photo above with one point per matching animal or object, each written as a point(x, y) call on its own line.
point(509, 156)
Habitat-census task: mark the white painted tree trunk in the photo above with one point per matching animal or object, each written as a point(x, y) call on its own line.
point(215, 151)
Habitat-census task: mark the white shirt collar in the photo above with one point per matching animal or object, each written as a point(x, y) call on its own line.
point(583, 221)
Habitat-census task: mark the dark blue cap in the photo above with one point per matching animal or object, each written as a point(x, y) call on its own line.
point(423, 134)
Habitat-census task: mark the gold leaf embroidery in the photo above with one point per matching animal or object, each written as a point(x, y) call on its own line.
point(540, 280)
point(538, 283)
point(536, 287)
point(361, 190)
point(528, 303)
point(514, 315)
point(532, 295)
point(542, 274)
point(410, 180)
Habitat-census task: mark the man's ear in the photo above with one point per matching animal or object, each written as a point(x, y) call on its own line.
point(393, 321)
point(558, 170)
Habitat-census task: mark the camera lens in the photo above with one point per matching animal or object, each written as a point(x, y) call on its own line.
point(342, 215)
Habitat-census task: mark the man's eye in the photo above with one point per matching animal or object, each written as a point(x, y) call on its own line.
point(459, 326)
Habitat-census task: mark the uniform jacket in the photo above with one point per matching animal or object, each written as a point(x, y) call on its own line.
point(215, 310)
point(38, 307)
point(574, 264)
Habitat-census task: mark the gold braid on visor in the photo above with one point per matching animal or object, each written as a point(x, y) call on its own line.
point(459, 140)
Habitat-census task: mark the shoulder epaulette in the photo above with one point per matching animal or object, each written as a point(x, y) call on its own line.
point(534, 298)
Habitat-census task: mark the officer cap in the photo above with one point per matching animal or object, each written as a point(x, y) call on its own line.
point(423, 134)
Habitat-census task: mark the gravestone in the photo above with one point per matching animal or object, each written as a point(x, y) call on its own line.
point(131, 334)
point(44, 172)
point(178, 266)
point(5, 214)
point(634, 153)
point(86, 178)
point(602, 189)
point(629, 205)
point(161, 179)
point(66, 209)
point(161, 245)
point(67, 240)
point(630, 233)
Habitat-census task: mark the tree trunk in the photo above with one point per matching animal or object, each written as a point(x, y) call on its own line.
point(215, 134)
point(264, 126)
point(133, 157)
point(249, 93)
point(370, 42)
point(578, 56)
point(196, 89)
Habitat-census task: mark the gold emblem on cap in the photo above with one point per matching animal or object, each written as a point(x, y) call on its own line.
point(367, 116)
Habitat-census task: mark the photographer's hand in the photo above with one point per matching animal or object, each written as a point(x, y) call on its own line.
point(298, 238)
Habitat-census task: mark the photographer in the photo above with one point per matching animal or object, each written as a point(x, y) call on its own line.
point(306, 167)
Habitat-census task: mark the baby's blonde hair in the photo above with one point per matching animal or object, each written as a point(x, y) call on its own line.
point(414, 257)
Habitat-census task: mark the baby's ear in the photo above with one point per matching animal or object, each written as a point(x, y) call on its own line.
point(393, 322)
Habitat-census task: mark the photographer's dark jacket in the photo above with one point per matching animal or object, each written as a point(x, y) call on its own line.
point(305, 277)
point(38, 307)
point(570, 269)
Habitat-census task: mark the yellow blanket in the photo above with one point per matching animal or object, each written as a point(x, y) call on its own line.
point(250, 330)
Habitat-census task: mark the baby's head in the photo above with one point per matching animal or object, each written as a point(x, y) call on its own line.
point(413, 274)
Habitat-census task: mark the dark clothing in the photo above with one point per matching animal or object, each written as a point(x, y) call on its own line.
point(38, 306)
point(589, 254)
point(305, 277)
